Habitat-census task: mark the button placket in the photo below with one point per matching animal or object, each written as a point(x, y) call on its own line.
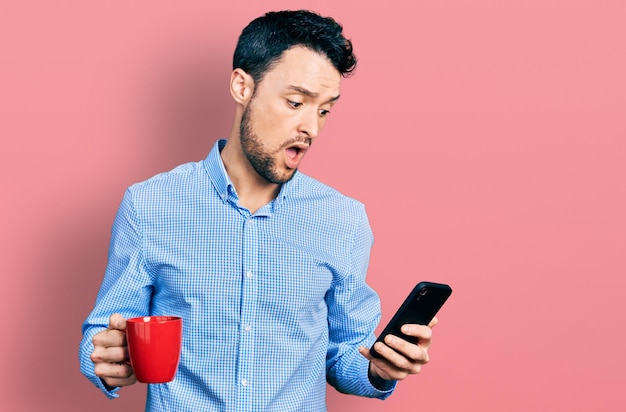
point(249, 295)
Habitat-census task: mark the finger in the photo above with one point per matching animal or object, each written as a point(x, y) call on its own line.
point(392, 365)
point(115, 375)
point(424, 334)
point(117, 322)
point(366, 352)
point(114, 335)
point(111, 354)
point(113, 370)
point(118, 382)
point(387, 353)
point(109, 338)
point(407, 353)
point(433, 322)
point(383, 350)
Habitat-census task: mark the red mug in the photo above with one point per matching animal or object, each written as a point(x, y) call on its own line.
point(154, 344)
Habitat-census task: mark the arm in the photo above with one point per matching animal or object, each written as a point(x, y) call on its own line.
point(127, 290)
point(353, 314)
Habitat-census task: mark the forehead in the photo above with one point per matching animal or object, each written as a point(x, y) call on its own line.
point(305, 68)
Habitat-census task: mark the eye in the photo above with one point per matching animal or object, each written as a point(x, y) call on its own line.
point(293, 104)
point(324, 112)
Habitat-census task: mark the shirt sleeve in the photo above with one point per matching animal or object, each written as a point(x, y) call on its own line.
point(126, 288)
point(353, 314)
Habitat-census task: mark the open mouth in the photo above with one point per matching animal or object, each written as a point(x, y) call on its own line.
point(294, 154)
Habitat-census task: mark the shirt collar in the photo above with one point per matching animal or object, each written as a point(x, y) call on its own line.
point(217, 172)
point(224, 186)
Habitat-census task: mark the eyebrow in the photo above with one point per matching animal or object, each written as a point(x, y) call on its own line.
point(309, 93)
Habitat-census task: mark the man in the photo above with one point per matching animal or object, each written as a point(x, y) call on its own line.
point(265, 265)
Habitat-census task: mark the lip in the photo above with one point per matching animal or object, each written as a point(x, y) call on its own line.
point(294, 154)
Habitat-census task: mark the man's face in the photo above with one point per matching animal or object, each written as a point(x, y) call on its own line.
point(287, 112)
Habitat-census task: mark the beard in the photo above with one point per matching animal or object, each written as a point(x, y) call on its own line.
point(262, 160)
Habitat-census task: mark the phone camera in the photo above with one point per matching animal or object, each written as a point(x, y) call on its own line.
point(423, 292)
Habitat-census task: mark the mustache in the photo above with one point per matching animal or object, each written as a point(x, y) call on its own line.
point(298, 139)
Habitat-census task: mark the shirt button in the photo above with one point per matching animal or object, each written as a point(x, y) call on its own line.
point(249, 274)
point(244, 382)
point(247, 328)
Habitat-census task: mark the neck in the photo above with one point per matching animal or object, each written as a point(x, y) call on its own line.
point(254, 191)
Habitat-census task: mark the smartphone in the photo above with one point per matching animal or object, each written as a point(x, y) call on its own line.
point(420, 307)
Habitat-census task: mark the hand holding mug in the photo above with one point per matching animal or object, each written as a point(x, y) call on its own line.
point(110, 354)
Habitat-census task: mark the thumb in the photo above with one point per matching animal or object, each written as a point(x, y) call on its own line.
point(365, 352)
point(117, 321)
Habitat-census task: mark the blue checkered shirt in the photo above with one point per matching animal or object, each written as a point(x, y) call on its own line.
point(274, 304)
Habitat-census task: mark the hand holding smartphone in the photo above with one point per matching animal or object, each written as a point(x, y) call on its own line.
point(420, 307)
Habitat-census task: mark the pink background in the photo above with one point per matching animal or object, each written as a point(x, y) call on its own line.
point(487, 139)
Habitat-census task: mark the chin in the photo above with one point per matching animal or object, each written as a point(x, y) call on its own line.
point(282, 177)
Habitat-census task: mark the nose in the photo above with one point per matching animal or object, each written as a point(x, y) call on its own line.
point(310, 123)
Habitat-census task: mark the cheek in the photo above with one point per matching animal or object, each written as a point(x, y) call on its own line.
point(263, 120)
point(272, 129)
point(273, 123)
point(278, 125)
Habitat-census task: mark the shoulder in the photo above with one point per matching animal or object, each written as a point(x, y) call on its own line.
point(183, 186)
point(313, 204)
point(180, 179)
point(310, 190)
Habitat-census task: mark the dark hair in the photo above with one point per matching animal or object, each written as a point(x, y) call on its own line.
point(263, 41)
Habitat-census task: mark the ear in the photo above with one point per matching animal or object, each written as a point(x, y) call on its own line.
point(241, 86)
